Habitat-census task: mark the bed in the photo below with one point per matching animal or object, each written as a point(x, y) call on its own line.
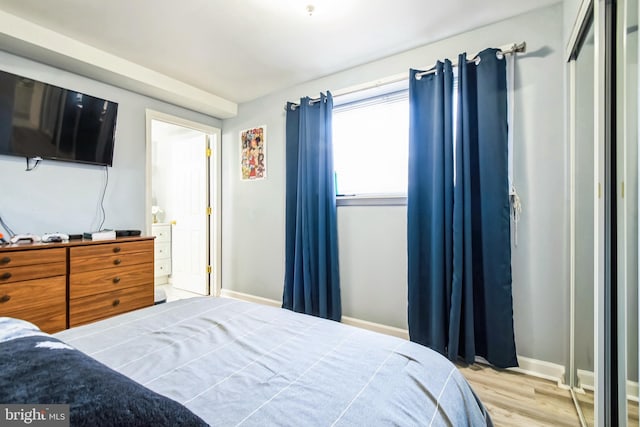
point(231, 363)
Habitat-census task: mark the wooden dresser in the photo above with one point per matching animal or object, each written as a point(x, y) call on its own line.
point(59, 285)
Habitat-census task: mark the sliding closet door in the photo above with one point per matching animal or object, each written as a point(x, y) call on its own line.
point(584, 189)
point(627, 214)
point(604, 51)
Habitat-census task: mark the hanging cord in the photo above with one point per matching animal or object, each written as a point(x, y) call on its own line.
point(37, 159)
point(104, 191)
point(516, 210)
point(514, 199)
point(6, 227)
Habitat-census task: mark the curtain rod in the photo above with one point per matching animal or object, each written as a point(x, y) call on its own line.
point(508, 49)
point(505, 50)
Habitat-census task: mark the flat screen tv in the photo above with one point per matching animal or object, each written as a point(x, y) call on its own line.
point(42, 120)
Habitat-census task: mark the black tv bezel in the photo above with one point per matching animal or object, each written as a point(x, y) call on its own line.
point(64, 159)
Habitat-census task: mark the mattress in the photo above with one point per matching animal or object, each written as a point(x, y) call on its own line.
point(237, 363)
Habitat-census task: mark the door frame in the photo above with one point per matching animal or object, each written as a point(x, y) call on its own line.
point(215, 174)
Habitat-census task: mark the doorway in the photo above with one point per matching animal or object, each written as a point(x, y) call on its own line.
point(182, 203)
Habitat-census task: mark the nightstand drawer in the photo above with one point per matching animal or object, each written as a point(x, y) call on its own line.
point(162, 267)
point(101, 306)
point(162, 232)
point(107, 280)
point(42, 302)
point(162, 250)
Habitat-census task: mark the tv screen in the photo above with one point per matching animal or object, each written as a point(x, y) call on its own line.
point(42, 120)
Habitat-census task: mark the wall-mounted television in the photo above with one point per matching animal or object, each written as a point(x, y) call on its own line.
point(41, 120)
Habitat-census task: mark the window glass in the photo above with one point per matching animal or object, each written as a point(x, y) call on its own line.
point(371, 146)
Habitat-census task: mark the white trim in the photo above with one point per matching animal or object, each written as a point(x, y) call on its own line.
point(622, 79)
point(572, 222)
point(25, 38)
point(578, 27)
point(586, 379)
point(376, 327)
point(215, 188)
point(363, 324)
point(372, 200)
point(541, 369)
point(632, 391)
point(215, 220)
point(600, 192)
point(226, 293)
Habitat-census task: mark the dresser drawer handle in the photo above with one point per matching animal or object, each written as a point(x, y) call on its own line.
point(5, 276)
point(117, 261)
point(5, 298)
point(116, 302)
point(116, 279)
point(5, 260)
point(117, 249)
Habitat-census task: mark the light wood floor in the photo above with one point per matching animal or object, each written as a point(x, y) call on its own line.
point(514, 399)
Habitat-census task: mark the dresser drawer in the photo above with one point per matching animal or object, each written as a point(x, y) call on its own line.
point(110, 279)
point(98, 258)
point(42, 302)
point(162, 250)
point(32, 257)
point(101, 306)
point(29, 272)
point(119, 248)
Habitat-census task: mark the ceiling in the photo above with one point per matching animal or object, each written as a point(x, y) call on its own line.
point(243, 49)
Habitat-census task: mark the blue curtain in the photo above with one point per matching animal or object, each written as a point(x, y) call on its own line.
point(430, 206)
point(459, 250)
point(312, 281)
point(481, 320)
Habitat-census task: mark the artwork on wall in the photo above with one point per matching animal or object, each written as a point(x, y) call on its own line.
point(253, 161)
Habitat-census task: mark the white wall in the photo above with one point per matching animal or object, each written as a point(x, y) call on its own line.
point(65, 197)
point(373, 239)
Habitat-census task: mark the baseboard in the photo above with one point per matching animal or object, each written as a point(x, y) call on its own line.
point(586, 380)
point(541, 369)
point(528, 366)
point(364, 324)
point(376, 327)
point(250, 298)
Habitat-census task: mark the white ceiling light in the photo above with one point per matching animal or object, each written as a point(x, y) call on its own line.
point(310, 9)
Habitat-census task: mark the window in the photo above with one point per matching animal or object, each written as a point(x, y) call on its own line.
point(371, 142)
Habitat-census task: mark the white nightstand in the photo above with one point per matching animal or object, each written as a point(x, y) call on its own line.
point(162, 254)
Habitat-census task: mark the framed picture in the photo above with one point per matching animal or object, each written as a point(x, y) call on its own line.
point(253, 153)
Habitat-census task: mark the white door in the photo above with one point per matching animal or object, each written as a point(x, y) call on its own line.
point(189, 202)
